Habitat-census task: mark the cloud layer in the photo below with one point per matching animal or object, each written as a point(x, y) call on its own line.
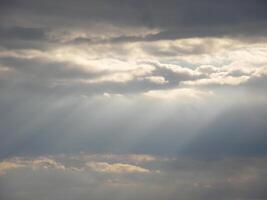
point(69, 176)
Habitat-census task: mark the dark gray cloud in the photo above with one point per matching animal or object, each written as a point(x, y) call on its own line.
point(23, 33)
point(175, 18)
point(47, 70)
point(19, 37)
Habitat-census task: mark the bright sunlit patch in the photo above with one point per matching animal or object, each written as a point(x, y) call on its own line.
point(115, 168)
point(179, 94)
point(157, 79)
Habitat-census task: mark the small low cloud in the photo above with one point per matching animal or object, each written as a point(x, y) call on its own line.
point(7, 165)
point(156, 79)
point(115, 167)
point(110, 163)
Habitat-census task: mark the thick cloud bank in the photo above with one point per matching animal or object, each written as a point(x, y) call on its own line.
point(131, 177)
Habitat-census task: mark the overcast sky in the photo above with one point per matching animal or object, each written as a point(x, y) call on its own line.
point(133, 100)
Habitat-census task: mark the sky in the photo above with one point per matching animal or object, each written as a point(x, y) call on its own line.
point(133, 100)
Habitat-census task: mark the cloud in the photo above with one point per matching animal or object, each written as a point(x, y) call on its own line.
point(130, 68)
point(156, 79)
point(99, 96)
point(229, 80)
point(62, 93)
point(6, 165)
point(81, 162)
point(189, 178)
point(23, 33)
point(47, 163)
point(186, 94)
point(115, 168)
point(37, 163)
point(42, 26)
